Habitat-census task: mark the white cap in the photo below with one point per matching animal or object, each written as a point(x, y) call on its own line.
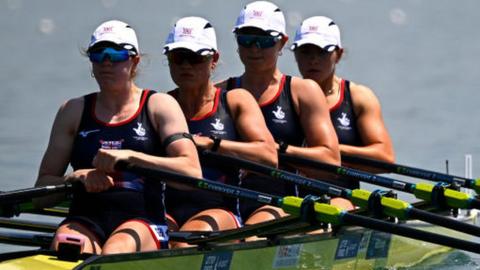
point(116, 32)
point(192, 33)
point(263, 15)
point(320, 31)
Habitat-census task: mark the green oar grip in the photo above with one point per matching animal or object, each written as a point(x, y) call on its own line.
point(323, 212)
point(391, 207)
point(476, 185)
point(453, 198)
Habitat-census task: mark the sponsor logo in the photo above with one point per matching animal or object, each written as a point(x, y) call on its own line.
point(287, 256)
point(257, 13)
point(84, 133)
point(279, 115)
point(111, 144)
point(344, 122)
point(218, 126)
point(140, 131)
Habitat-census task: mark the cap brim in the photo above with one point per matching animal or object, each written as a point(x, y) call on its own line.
point(196, 48)
point(256, 24)
point(319, 42)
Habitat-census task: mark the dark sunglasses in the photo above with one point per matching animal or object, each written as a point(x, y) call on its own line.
point(262, 42)
point(114, 55)
point(178, 57)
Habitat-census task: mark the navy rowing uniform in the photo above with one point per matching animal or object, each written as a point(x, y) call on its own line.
point(344, 119)
point(182, 205)
point(283, 122)
point(132, 197)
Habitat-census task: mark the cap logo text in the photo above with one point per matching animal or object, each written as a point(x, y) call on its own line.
point(257, 13)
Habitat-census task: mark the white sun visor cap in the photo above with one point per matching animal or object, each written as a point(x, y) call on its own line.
point(116, 32)
point(320, 31)
point(192, 33)
point(263, 15)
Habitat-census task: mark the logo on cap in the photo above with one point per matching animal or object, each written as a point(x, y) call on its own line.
point(187, 31)
point(257, 13)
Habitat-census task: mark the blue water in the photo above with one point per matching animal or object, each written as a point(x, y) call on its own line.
point(419, 56)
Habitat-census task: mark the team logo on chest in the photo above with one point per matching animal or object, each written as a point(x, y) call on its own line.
point(111, 144)
point(140, 131)
point(218, 127)
point(279, 115)
point(344, 122)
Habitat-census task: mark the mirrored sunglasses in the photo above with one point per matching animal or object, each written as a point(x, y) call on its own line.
point(114, 55)
point(178, 57)
point(262, 42)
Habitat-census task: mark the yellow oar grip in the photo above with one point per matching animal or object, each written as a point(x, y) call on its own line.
point(476, 185)
point(391, 207)
point(453, 198)
point(324, 212)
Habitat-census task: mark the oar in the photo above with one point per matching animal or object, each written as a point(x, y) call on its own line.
point(415, 172)
point(437, 195)
point(296, 206)
point(17, 201)
point(363, 198)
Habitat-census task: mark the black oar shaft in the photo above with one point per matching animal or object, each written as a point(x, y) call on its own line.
point(350, 173)
point(274, 173)
point(412, 233)
point(29, 193)
point(205, 184)
point(453, 224)
point(408, 171)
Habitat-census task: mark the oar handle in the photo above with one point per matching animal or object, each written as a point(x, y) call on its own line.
point(200, 183)
point(23, 195)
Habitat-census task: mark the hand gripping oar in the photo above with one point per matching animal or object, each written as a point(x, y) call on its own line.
point(372, 201)
point(438, 195)
point(415, 172)
point(295, 206)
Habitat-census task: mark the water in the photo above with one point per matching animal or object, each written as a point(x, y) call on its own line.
point(419, 56)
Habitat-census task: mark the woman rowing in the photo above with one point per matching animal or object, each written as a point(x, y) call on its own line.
point(355, 110)
point(296, 115)
point(118, 211)
point(226, 122)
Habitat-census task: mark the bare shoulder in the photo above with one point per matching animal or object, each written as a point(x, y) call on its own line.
point(306, 90)
point(162, 102)
point(239, 93)
point(363, 95)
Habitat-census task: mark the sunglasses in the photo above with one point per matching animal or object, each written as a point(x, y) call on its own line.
point(262, 42)
point(114, 55)
point(178, 57)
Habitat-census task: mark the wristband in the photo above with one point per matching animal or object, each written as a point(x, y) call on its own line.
point(282, 147)
point(216, 143)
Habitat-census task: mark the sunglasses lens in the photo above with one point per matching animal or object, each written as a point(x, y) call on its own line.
point(113, 55)
point(262, 42)
point(191, 57)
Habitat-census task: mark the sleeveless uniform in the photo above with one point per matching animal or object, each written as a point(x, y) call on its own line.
point(283, 122)
point(183, 205)
point(345, 123)
point(132, 197)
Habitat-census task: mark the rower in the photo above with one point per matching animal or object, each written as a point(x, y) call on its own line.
point(225, 122)
point(354, 109)
point(296, 115)
point(117, 212)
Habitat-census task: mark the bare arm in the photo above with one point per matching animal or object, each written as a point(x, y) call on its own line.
point(257, 142)
point(377, 142)
point(57, 156)
point(168, 119)
point(321, 139)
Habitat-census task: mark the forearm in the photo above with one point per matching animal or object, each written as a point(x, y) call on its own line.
point(320, 153)
point(260, 152)
point(181, 164)
point(376, 151)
